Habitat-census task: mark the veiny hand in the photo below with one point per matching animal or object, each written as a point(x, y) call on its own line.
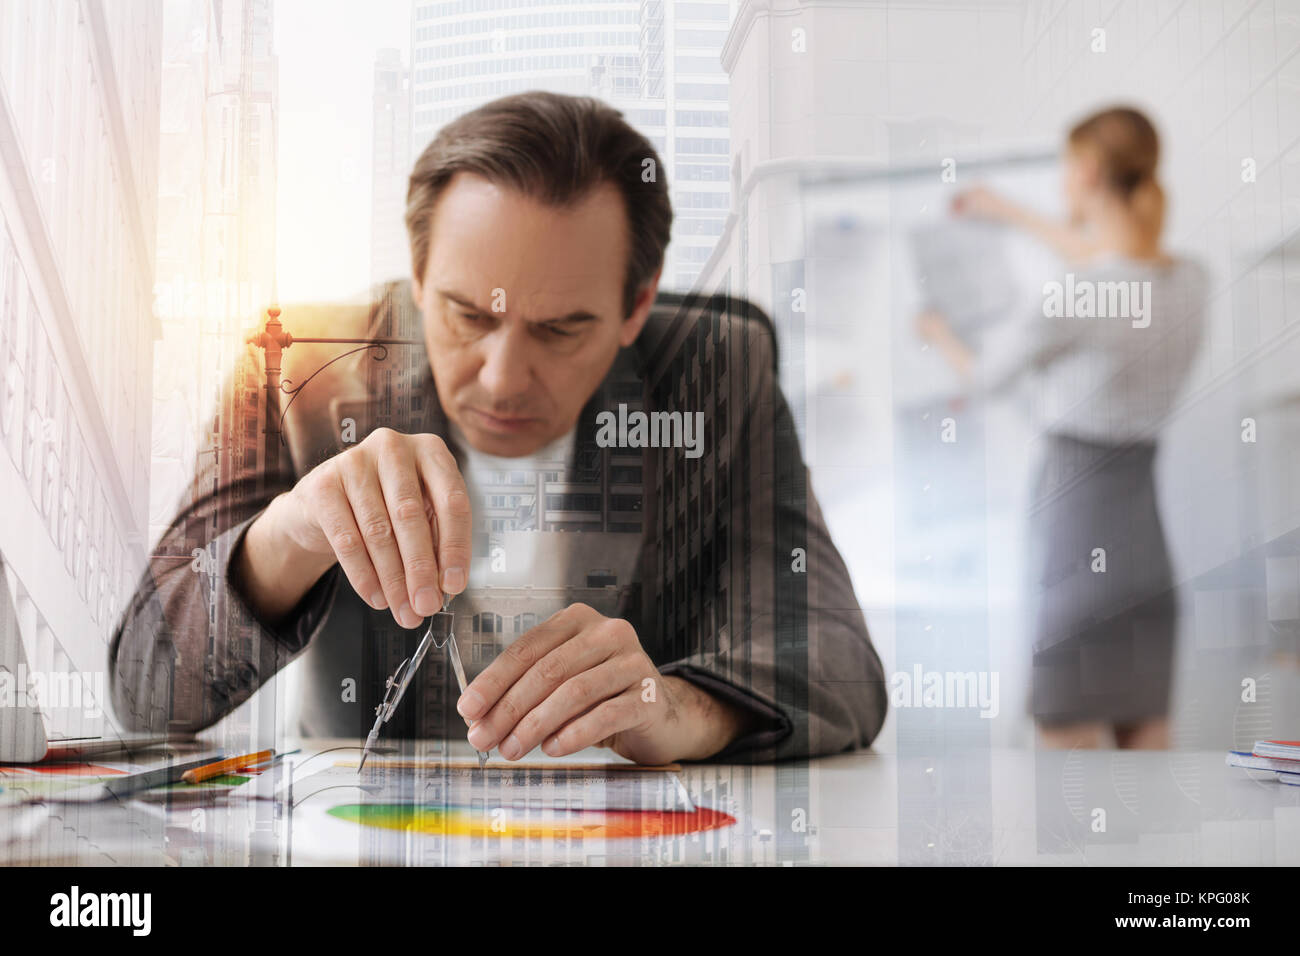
point(394, 513)
point(580, 679)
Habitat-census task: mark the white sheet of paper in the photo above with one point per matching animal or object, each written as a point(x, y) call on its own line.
point(458, 784)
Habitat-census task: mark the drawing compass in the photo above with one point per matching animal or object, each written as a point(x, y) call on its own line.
point(440, 633)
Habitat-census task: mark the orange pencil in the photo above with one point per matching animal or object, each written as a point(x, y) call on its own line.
point(208, 771)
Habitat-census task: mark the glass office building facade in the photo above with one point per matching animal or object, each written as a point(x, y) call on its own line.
point(658, 61)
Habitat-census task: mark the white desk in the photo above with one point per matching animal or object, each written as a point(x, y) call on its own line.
point(999, 807)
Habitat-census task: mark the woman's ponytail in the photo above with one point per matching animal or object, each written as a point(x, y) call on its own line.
point(1147, 201)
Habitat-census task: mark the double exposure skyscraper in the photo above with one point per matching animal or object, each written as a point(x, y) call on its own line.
point(658, 61)
point(390, 162)
point(79, 105)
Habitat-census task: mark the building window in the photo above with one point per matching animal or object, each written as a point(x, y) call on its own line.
point(625, 475)
point(701, 91)
point(701, 11)
point(573, 502)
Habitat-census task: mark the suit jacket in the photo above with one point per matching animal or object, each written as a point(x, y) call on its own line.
point(719, 558)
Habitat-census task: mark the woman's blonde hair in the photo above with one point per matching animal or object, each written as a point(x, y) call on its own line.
point(1126, 144)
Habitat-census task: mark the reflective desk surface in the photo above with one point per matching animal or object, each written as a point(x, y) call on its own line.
point(980, 807)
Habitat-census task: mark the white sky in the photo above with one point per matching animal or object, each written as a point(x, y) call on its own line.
point(327, 52)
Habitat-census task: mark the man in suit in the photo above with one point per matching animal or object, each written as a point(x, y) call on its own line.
point(713, 616)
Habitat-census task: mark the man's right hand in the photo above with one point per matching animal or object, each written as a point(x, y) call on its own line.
point(393, 512)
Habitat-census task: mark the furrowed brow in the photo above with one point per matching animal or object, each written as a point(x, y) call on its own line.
point(573, 318)
point(464, 301)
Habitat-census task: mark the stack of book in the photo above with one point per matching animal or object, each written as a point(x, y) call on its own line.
point(1281, 757)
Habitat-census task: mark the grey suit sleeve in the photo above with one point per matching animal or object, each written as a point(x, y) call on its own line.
point(1021, 345)
point(188, 649)
point(794, 648)
point(819, 690)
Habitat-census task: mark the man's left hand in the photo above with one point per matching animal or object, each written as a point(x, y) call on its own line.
point(580, 679)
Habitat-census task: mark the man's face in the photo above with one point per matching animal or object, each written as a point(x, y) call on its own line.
point(522, 306)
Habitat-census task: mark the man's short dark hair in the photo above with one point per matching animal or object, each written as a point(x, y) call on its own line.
point(555, 149)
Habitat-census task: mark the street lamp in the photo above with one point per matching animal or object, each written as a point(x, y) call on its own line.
point(273, 339)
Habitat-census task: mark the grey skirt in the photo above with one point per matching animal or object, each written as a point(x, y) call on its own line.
point(1105, 610)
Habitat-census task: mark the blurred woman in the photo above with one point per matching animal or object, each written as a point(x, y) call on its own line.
point(1104, 360)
